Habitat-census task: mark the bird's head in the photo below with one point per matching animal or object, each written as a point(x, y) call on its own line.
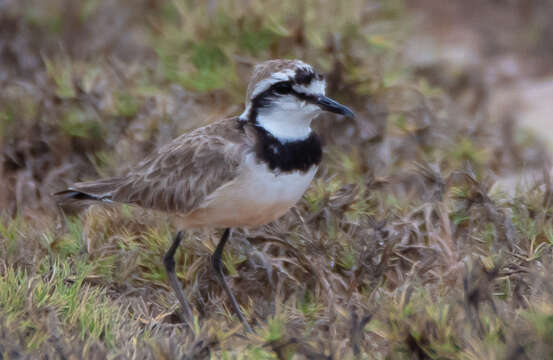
point(284, 96)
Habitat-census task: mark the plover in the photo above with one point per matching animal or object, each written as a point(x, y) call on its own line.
point(244, 171)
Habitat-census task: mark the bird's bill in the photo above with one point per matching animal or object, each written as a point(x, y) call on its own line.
point(328, 104)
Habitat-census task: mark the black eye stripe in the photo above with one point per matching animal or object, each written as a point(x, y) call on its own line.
point(283, 87)
point(306, 97)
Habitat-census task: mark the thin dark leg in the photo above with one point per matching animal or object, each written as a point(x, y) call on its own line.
point(218, 266)
point(169, 262)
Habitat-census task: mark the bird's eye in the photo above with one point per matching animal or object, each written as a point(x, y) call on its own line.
point(284, 87)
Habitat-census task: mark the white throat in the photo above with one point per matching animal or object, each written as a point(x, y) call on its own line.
point(286, 125)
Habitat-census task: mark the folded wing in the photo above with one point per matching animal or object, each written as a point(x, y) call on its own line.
point(176, 178)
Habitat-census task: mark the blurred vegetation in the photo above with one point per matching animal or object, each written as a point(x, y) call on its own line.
point(401, 249)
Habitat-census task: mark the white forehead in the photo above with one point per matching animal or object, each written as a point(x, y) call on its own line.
point(276, 77)
point(315, 87)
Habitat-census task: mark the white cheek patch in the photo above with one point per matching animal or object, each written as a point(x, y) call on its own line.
point(316, 87)
point(288, 119)
point(287, 103)
point(293, 104)
point(277, 77)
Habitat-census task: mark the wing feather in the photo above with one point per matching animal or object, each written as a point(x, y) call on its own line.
point(181, 174)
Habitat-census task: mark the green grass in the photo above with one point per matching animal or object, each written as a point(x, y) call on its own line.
point(59, 290)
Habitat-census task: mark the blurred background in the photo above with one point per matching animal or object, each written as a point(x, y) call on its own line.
point(438, 192)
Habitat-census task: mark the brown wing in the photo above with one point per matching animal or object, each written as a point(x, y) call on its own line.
point(181, 174)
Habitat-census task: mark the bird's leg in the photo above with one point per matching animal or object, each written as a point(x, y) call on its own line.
point(218, 266)
point(169, 262)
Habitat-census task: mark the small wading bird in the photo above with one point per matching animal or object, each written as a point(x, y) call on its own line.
point(244, 171)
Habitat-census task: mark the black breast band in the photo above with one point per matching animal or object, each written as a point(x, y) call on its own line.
point(288, 156)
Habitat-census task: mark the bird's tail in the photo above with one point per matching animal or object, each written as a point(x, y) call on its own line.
point(101, 190)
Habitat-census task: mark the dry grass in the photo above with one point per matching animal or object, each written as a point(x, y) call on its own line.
point(399, 250)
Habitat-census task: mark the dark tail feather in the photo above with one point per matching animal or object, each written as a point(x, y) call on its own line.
point(89, 191)
point(66, 195)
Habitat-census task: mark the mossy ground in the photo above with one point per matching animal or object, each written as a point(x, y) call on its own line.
point(401, 248)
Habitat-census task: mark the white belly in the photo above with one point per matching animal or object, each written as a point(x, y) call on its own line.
point(265, 189)
point(258, 196)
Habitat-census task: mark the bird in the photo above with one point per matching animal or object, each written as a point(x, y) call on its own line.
point(239, 172)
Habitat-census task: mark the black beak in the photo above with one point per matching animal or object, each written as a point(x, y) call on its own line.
point(328, 104)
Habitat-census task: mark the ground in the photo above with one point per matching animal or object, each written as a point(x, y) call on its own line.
point(427, 231)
